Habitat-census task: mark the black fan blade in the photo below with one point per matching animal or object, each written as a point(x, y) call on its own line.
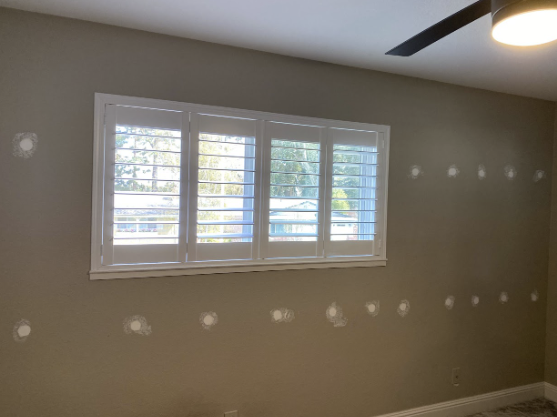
point(443, 28)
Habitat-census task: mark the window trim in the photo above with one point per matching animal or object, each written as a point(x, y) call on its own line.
point(98, 271)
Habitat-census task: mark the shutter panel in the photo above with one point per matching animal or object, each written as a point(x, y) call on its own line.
point(293, 203)
point(143, 185)
point(224, 219)
point(352, 193)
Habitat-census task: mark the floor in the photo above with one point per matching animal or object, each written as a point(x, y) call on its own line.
point(536, 408)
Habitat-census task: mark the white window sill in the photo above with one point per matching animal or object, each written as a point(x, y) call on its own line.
point(172, 270)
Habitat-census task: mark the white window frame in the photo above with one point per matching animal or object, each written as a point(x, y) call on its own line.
point(99, 271)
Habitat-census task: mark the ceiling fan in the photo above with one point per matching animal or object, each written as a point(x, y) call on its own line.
point(515, 22)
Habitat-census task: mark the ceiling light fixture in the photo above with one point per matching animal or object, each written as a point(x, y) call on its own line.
point(524, 23)
point(514, 22)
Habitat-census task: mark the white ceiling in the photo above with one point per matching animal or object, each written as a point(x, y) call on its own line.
point(349, 32)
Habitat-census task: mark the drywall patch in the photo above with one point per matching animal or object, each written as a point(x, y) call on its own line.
point(334, 315)
point(482, 172)
point(208, 319)
point(475, 300)
point(453, 171)
point(25, 144)
point(22, 330)
point(534, 296)
point(510, 172)
point(282, 315)
point(137, 324)
point(539, 175)
point(503, 298)
point(403, 308)
point(449, 302)
point(415, 172)
point(372, 308)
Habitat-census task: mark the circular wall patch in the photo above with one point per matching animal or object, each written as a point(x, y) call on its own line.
point(24, 144)
point(334, 315)
point(510, 172)
point(539, 175)
point(403, 308)
point(136, 324)
point(282, 315)
point(534, 296)
point(22, 330)
point(208, 319)
point(415, 172)
point(482, 172)
point(372, 308)
point(453, 171)
point(449, 302)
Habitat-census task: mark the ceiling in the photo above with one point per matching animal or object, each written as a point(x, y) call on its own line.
point(349, 32)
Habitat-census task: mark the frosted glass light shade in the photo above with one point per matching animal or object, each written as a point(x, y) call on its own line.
point(530, 28)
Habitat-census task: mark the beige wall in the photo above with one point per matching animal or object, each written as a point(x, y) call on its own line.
point(551, 325)
point(461, 237)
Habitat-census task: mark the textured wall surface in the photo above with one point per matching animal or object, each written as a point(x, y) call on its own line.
point(446, 236)
point(551, 335)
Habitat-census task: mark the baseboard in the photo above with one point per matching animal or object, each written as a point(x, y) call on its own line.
point(550, 391)
point(479, 403)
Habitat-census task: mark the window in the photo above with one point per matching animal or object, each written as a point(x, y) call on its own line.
point(183, 189)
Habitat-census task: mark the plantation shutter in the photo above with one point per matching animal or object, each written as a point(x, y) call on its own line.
point(145, 185)
point(224, 189)
point(293, 204)
point(351, 213)
point(181, 188)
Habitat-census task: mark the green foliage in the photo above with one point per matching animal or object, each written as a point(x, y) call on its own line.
point(296, 158)
point(339, 205)
point(141, 146)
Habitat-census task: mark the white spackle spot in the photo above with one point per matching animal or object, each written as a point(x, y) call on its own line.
point(208, 319)
point(276, 315)
point(335, 316)
point(534, 296)
point(482, 172)
point(403, 308)
point(453, 171)
point(475, 300)
point(25, 144)
point(539, 175)
point(288, 315)
point(503, 298)
point(510, 172)
point(372, 308)
point(449, 302)
point(136, 324)
point(282, 315)
point(22, 330)
point(415, 172)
